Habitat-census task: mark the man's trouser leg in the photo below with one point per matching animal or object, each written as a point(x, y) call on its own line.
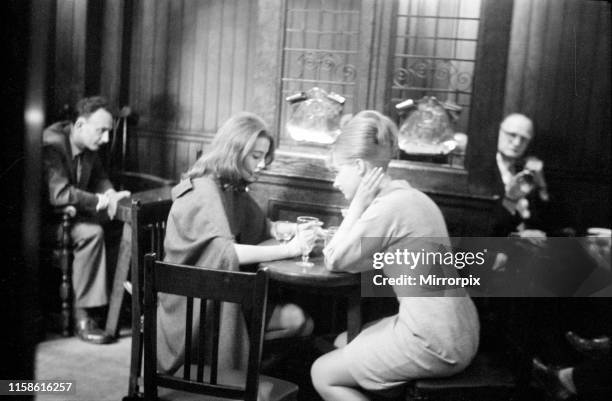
point(89, 265)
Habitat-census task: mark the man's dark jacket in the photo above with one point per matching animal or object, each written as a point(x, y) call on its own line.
point(60, 184)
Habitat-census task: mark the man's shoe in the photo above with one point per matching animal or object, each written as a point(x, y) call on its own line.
point(87, 329)
point(547, 379)
point(589, 347)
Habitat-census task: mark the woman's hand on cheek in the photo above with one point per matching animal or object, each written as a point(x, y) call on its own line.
point(368, 189)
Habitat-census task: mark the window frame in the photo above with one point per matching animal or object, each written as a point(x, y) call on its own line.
point(477, 178)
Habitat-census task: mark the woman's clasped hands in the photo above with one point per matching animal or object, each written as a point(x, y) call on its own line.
point(306, 239)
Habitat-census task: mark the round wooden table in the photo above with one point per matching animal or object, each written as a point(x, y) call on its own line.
point(321, 281)
point(288, 271)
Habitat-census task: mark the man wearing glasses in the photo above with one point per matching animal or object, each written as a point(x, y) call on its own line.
point(74, 176)
point(522, 179)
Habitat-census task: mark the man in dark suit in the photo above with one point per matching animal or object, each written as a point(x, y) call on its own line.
point(521, 182)
point(74, 176)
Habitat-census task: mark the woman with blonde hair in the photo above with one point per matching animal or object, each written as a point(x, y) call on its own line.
point(215, 223)
point(430, 336)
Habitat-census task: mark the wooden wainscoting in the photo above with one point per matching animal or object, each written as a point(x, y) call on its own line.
point(165, 154)
point(465, 216)
point(295, 186)
point(286, 197)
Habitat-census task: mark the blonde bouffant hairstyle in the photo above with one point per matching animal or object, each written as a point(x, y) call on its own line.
point(370, 136)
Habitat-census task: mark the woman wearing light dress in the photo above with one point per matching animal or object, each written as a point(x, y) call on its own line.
point(429, 336)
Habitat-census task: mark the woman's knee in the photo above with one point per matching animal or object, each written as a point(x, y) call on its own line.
point(341, 340)
point(294, 318)
point(330, 371)
point(317, 374)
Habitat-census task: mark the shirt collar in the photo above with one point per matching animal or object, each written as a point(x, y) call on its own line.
point(506, 168)
point(73, 148)
point(503, 163)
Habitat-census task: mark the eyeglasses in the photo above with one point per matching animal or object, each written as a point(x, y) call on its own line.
point(515, 135)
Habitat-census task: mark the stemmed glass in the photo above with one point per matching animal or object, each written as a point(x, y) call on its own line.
point(305, 223)
point(283, 231)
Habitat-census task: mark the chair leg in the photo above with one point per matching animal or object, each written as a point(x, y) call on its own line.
point(136, 361)
point(353, 315)
point(137, 335)
point(121, 273)
point(66, 284)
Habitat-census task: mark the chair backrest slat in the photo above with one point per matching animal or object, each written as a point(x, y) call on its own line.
point(256, 336)
point(188, 332)
point(160, 233)
point(150, 329)
point(212, 287)
point(150, 228)
point(201, 342)
point(214, 359)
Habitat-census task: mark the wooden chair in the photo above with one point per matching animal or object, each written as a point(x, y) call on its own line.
point(487, 378)
point(61, 249)
point(148, 223)
point(249, 290)
point(134, 182)
point(65, 257)
point(490, 376)
point(57, 250)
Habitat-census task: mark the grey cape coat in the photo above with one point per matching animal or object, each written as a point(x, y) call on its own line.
point(204, 223)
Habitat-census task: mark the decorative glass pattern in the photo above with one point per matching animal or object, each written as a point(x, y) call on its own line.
point(320, 50)
point(435, 52)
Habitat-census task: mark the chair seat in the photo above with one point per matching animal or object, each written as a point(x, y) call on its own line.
point(270, 388)
point(483, 377)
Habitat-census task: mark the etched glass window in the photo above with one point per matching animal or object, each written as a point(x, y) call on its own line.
point(321, 45)
point(435, 52)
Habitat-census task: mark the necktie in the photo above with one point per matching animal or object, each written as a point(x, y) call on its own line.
point(77, 167)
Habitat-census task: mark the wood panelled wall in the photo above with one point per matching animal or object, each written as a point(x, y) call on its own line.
point(559, 74)
point(193, 63)
point(70, 52)
point(191, 68)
